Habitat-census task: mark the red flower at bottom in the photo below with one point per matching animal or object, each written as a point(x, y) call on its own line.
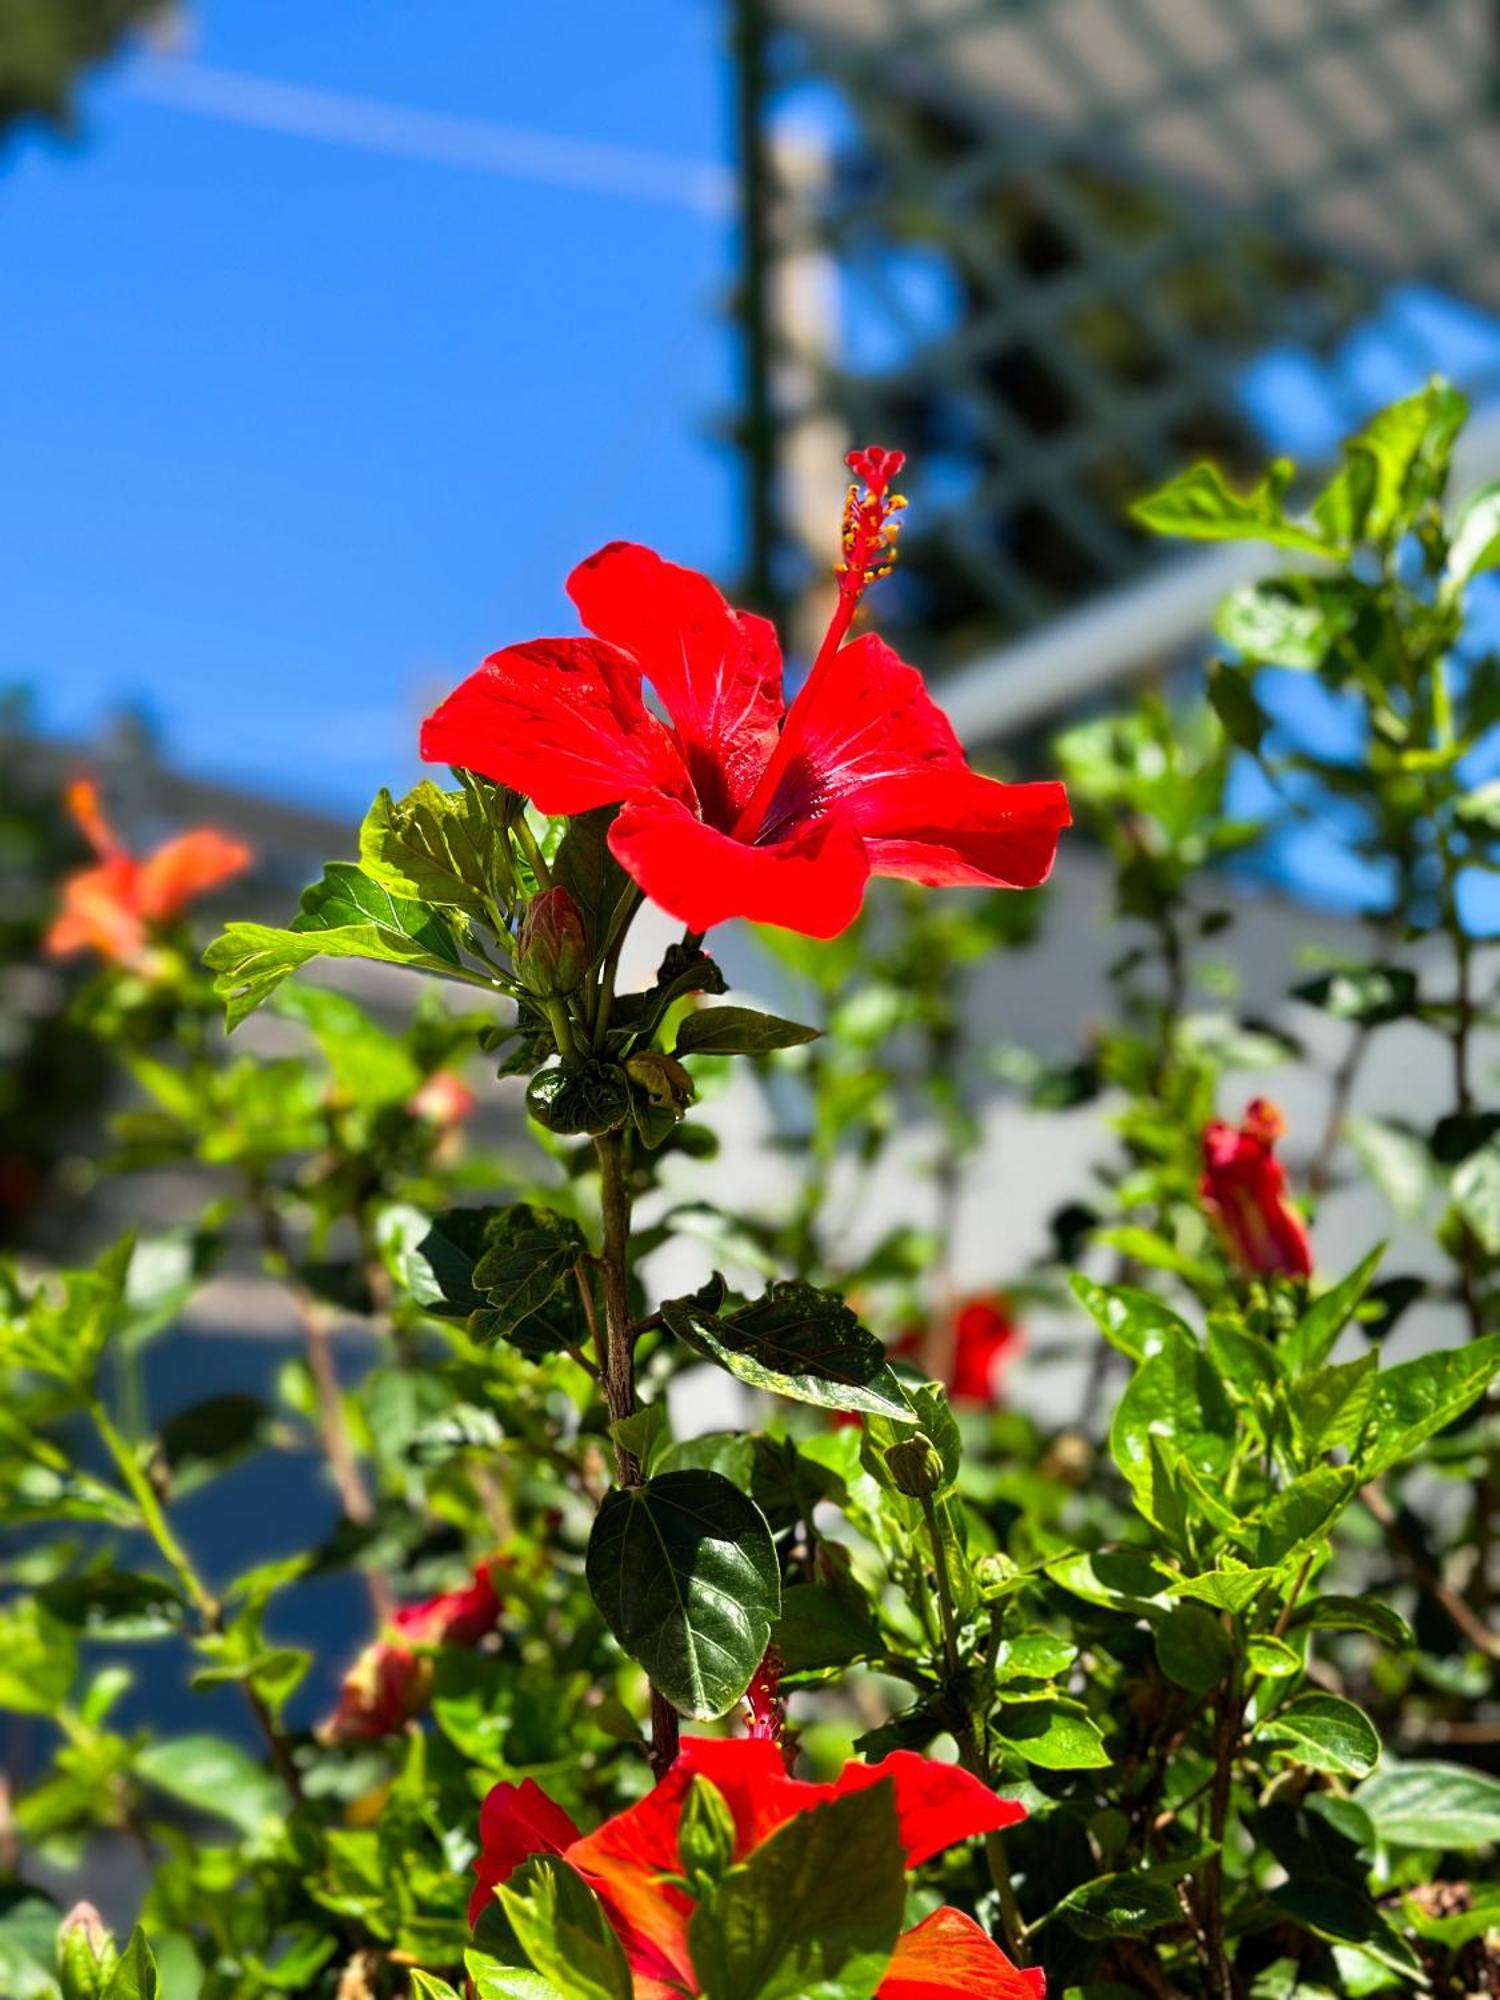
point(390, 1681)
point(737, 805)
point(1244, 1191)
point(632, 1860)
point(113, 907)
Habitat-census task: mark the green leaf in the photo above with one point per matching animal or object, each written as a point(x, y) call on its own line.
point(432, 1257)
point(38, 1657)
point(1193, 1648)
point(427, 1986)
point(1356, 1614)
point(585, 867)
point(214, 1776)
point(1448, 1806)
point(1310, 1340)
point(1272, 1657)
point(1301, 1515)
point(794, 1341)
point(563, 1930)
point(684, 1572)
point(1476, 1195)
point(1054, 1735)
point(134, 1978)
point(1227, 1588)
point(1331, 1404)
point(1397, 1159)
point(442, 847)
point(1231, 695)
point(370, 1066)
point(1474, 545)
point(1033, 1656)
point(1176, 1398)
point(346, 915)
point(814, 1912)
point(494, 1981)
point(1326, 1733)
point(1416, 1399)
point(1200, 507)
point(1123, 1580)
point(819, 1629)
point(1134, 1321)
point(1344, 1913)
point(1249, 1365)
point(1407, 446)
point(1368, 994)
point(1114, 1906)
point(738, 1031)
point(1292, 623)
point(115, 1604)
point(529, 1253)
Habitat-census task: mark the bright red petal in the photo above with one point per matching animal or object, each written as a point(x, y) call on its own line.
point(186, 868)
point(937, 1804)
point(560, 720)
point(948, 1957)
point(812, 882)
point(955, 827)
point(865, 719)
point(717, 671)
point(515, 1822)
point(99, 913)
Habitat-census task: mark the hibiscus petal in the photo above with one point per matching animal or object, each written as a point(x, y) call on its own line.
point(866, 717)
point(188, 867)
point(560, 720)
point(957, 827)
point(811, 883)
point(515, 1822)
point(948, 1957)
point(937, 1804)
point(716, 670)
point(99, 913)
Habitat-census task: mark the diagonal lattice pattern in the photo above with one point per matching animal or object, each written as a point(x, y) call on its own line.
point(1062, 230)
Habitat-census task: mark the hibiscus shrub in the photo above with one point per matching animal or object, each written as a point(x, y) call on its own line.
point(1190, 1691)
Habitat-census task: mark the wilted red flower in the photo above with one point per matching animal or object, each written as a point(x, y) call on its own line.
point(390, 1681)
point(444, 1100)
point(632, 1860)
point(738, 806)
point(113, 906)
point(1244, 1190)
point(984, 1338)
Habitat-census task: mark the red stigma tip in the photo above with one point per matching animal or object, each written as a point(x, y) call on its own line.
point(870, 526)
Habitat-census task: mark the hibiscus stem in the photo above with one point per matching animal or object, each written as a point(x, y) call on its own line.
point(966, 1734)
point(617, 1374)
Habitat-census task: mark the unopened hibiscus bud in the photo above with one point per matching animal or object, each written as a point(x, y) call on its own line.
point(594, 1097)
point(705, 1837)
point(86, 1954)
point(1244, 1191)
point(915, 1466)
point(552, 951)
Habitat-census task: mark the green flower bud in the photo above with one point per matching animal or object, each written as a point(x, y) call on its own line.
point(86, 1954)
point(552, 951)
point(594, 1097)
point(915, 1466)
point(705, 1837)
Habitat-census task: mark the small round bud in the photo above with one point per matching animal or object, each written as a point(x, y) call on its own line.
point(915, 1466)
point(86, 1954)
point(552, 951)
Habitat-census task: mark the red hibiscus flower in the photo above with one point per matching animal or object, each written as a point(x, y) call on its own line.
point(390, 1681)
point(984, 1338)
point(738, 806)
point(1244, 1190)
point(632, 1859)
point(113, 907)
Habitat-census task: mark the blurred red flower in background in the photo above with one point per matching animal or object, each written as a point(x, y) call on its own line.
point(113, 907)
point(1244, 1191)
point(390, 1681)
point(632, 1861)
point(983, 1339)
point(739, 806)
point(444, 1100)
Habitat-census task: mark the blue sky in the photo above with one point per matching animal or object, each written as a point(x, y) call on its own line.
point(295, 431)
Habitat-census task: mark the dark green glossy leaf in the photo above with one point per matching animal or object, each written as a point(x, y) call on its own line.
point(1120, 1906)
point(793, 1341)
point(1326, 1733)
point(1446, 1806)
point(738, 1031)
point(1310, 1341)
point(443, 847)
point(684, 1571)
point(1193, 1647)
point(115, 1604)
point(1355, 1614)
point(1134, 1321)
point(1416, 1399)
